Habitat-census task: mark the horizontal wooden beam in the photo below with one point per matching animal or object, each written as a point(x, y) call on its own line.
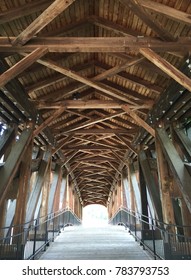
point(95, 44)
point(104, 131)
point(89, 147)
point(79, 104)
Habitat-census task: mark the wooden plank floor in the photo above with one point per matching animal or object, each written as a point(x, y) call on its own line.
point(93, 243)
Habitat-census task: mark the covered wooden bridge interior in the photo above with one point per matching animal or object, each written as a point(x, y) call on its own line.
point(95, 108)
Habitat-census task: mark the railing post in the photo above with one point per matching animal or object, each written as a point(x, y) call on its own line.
point(34, 244)
point(135, 225)
point(153, 237)
point(53, 228)
point(46, 233)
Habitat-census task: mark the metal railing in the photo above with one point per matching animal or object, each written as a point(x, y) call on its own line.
point(163, 241)
point(28, 240)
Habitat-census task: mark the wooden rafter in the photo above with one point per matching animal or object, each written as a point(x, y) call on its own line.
point(168, 68)
point(127, 144)
point(57, 7)
point(140, 121)
point(20, 66)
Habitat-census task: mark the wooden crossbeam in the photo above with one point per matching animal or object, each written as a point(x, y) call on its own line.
point(104, 131)
point(140, 121)
point(20, 66)
point(91, 122)
point(41, 127)
point(96, 44)
point(65, 71)
point(57, 7)
point(79, 104)
point(68, 138)
point(168, 68)
point(127, 144)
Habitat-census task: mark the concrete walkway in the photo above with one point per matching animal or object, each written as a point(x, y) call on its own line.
point(103, 243)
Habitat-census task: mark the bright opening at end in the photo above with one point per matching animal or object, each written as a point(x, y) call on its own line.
point(95, 215)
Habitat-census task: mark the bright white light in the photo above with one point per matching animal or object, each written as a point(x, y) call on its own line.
point(95, 215)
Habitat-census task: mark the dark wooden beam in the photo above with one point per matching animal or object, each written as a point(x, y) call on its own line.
point(181, 175)
point(140, 121)
point(151, 185)
point(20, 66)
point(8, 171)
point(185, 141)
point(6, 139)
point(34, 195)
point(168, 68)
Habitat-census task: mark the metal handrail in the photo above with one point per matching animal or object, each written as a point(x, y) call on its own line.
point(174, 240)
point(39, 231)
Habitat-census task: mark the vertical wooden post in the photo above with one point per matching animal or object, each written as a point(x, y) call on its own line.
point(165, 183)
point(45, 193)
point(24, 187)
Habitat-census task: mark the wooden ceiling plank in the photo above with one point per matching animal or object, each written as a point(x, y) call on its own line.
point(166, 11)
point(148, 19)
point(57, 7)
point(140, 121)
point(20, 66)
point(47, 122)
point(24, 10)
point(168, 68)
